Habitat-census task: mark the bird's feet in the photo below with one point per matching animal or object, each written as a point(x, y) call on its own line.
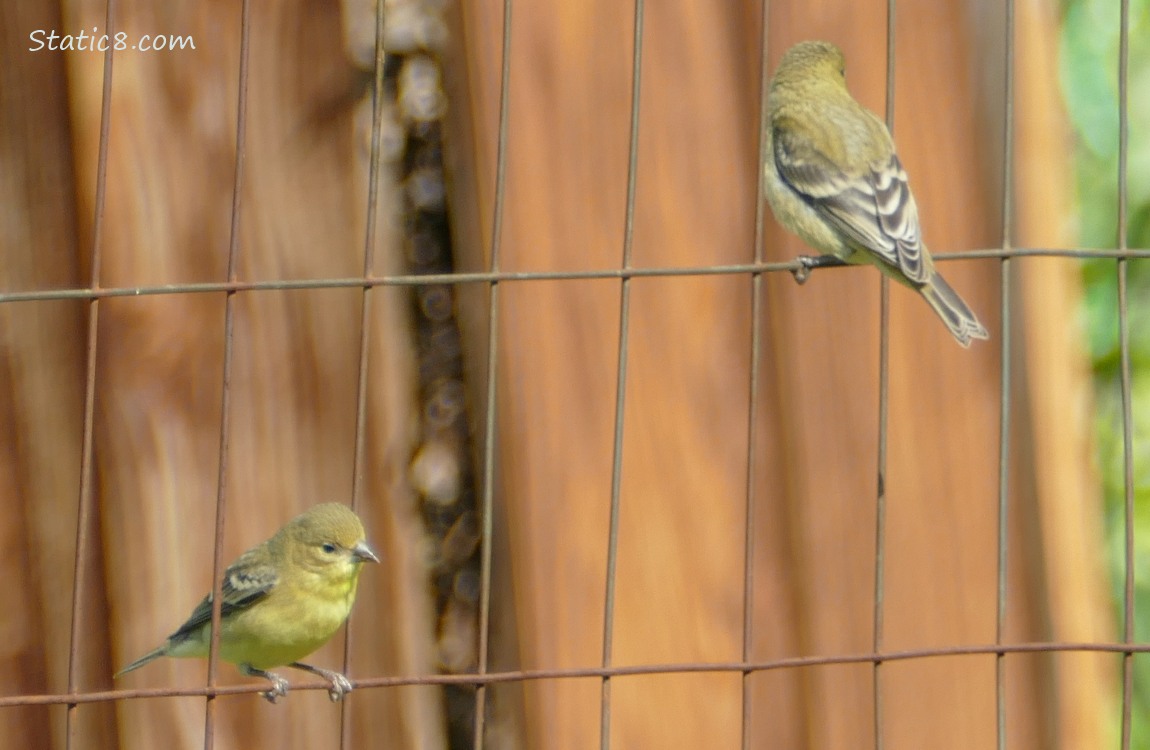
point(808, 263)
point(338, 685)
point(279, 686)
point(278, 689)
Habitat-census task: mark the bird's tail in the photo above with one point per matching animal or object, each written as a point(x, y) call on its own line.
point(953, 310)
point(150, 656)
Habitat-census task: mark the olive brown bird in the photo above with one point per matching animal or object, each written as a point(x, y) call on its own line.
point(832, 177)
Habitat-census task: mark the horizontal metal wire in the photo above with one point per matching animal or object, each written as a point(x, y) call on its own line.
point(40, 295)
point(742, 667)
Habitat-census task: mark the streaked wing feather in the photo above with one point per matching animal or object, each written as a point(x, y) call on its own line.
point(246, 581)
point(854, 214)
point(875, 211)
point(898, 217)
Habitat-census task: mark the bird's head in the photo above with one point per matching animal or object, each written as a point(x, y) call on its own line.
point(812, 60)
point(330, 537)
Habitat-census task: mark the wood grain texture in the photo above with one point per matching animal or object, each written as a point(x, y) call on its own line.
point(679, 579)
point(1060, 387)
point(295, 368)
point(41, 387)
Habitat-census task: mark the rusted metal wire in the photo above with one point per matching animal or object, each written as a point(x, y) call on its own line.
point(1125, 383)
point(529, 675)
point(1005, 379)
point(621, 382)
point(84, 512)
point(487, 501)
point(488, 277)
point(357, 467)
point(883, 413)
point(756, 344)
point(225, 398)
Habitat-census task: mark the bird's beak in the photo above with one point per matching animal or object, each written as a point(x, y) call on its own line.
point(363, 553)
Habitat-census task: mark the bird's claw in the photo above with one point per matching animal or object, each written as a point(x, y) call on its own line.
point(807, 263)
point(803, 272)
point(279, 686)
point(278, 689)
point(340, 686)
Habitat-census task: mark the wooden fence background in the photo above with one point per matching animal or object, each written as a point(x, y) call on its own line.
point(680, 575)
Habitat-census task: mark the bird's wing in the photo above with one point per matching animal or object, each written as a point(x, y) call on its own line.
point(875, 210)
point(246, 581)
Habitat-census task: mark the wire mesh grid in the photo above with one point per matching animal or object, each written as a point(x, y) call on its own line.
point(608, 669)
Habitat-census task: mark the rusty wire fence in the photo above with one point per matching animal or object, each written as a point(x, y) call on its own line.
point(608, 670)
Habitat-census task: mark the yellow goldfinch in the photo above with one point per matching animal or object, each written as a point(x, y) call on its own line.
point(281, 600)
point(833, 178)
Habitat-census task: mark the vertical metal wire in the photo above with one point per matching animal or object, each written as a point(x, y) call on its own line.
point(883, 410)
point(1005, 381)
point(492, 373)
point(225, 398)
point(373, 177)
point(84, 512)
point(753, 388)
point(621, 380)
point(1127, 407)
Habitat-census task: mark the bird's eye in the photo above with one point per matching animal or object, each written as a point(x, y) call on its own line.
point(329, 548)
